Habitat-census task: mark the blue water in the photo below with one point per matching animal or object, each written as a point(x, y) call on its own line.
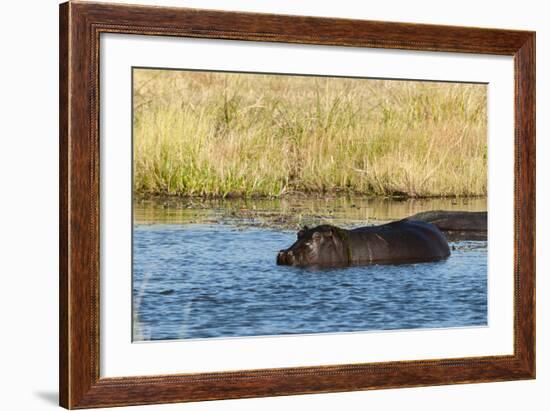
point(203, 281)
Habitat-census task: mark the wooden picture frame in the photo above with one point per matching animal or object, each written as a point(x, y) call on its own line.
point(80, 27)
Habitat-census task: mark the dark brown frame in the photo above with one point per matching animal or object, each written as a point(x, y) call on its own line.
point(80, 27)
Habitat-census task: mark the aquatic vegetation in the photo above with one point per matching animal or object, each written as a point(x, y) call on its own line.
point(290, 212)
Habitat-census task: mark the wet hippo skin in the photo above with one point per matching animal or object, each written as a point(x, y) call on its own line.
point(457, 225)
point(397, 242)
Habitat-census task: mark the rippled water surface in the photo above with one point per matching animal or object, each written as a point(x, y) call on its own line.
point(214, 275)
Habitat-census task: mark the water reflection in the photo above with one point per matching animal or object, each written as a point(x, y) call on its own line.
point(294, 211)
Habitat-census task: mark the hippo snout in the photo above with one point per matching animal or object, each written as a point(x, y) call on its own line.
point(284, 257)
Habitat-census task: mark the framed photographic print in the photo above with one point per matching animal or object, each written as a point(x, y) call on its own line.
point(257, 205)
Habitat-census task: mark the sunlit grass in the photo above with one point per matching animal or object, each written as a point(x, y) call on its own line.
point(219, 135)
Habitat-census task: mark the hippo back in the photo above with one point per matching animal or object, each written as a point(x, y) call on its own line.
point(400, 241)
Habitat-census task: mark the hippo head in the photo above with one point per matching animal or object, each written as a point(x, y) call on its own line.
point(321, 245)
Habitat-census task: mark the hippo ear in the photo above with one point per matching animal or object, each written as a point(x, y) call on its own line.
point(300, 234)
point(305, 228)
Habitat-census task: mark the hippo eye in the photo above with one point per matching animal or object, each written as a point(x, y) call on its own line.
point(316, 235)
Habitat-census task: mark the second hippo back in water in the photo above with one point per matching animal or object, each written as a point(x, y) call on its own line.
point(398, 242)
point(457, 225)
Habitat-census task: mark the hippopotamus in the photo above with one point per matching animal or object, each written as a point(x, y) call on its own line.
point(457, 225)
point(404, 241)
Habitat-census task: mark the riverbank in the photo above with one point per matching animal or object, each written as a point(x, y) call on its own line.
point(225, 134)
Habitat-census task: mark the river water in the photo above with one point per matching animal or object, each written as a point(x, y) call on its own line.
point(204, 269)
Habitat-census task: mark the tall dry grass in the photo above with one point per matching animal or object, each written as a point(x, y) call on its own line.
point(225, 134)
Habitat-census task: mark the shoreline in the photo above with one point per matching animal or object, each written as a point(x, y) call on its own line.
point(290, 212)
point(298, 195)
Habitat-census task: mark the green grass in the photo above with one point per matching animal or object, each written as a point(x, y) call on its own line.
point(219, 135)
